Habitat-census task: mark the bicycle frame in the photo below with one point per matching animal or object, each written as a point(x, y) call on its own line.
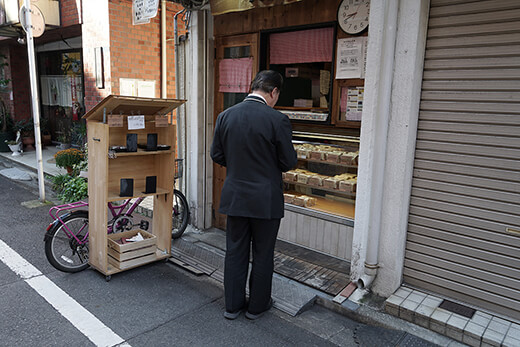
point(56, 212)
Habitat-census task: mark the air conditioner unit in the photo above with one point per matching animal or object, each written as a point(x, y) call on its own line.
point(10, 10)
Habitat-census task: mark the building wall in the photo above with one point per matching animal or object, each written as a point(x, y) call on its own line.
point(5, 93)
point(95, 34)
point(70, 12)
point(388, 133)
point(19, 66)
point(136, 49)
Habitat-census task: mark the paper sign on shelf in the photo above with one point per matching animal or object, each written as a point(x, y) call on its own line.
point(161, 121)
point(115, 120)
point(135, 122)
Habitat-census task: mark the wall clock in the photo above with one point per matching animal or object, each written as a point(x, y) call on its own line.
point(353, 15)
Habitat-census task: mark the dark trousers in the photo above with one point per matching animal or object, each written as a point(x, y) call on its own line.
point(241, 231)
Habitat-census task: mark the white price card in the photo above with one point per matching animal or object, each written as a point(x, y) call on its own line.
point(135, 122)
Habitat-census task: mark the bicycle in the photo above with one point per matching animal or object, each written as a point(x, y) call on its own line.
point(66, 237)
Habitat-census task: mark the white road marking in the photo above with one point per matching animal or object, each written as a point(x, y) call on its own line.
point(82, 319)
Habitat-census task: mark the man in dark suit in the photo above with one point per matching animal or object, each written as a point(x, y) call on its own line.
point(253, 142)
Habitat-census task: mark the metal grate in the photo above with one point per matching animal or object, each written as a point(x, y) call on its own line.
point(457, 308)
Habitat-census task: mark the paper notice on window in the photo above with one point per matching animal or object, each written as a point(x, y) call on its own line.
point(135, 122)
point(349, 62)
point(354, 107)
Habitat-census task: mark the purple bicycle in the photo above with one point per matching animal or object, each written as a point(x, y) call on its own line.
point(66, 239)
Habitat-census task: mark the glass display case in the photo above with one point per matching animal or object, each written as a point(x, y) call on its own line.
point(325, 178)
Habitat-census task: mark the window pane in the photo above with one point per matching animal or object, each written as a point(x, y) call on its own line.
point(231, 99)
point(237, 52)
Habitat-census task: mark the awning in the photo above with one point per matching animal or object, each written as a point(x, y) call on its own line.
point(219, 7)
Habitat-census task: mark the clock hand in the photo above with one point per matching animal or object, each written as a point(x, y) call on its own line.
point(357, 9)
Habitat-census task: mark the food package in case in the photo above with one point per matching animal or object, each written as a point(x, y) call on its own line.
point(350, 158)
point(303, 178)
point(288, 198)
point(304, 201)
point(348, 185)
point(291, 175)
point(309, 201)
point(299, 201)
point(316, 181)
point(317, 155)
point(333, 157)
point(303, 153)
point(331, 183)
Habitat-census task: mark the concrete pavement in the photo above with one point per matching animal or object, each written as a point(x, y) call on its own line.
point(175, 307)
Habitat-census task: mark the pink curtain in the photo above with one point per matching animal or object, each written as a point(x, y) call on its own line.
point(343, 101)
point(235, 75)
point(303, 46)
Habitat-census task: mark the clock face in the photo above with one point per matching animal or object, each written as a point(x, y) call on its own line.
point(353, 15)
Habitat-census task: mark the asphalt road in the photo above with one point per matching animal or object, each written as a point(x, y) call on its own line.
point(154, 305)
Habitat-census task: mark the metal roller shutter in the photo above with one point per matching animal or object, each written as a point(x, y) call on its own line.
point(464, 222)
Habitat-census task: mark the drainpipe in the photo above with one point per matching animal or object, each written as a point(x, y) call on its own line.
point(164, 75)
point(181, 123)
point(385, 74)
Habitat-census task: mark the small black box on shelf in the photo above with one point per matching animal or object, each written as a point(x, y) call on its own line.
point(126, 187)
point(151, 142)
point(131, 142)
point(151, 184)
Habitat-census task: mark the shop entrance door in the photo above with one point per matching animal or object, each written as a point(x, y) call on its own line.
point(232, 49)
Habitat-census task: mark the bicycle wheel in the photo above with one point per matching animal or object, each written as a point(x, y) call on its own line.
point(66, 253)
point(180, 214)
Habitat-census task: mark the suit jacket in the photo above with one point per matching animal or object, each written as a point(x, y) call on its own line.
point(254, 142)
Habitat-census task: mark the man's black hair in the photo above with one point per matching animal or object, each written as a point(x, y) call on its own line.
point(267, 80)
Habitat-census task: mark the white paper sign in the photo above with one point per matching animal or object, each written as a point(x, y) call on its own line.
point(146, 89)
point(349, 63)
point(143, 10)
point(135, 122)
point(127, 87)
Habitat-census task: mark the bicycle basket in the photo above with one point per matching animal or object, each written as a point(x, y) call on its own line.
point(178, 168)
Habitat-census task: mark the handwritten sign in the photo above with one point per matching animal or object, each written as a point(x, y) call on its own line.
point(143, 10)
point(115, 120)
point(135, 122)
point(161, 121)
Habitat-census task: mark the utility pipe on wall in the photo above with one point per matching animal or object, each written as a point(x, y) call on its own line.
point(383, 107)
point(181, 122)
point(164, 76)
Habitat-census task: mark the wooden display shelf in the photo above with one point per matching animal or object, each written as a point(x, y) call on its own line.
point(105, 175)
point(339, 208)
point(159, 255)
point(114, 196)
point(141, 152)
point(320, 188)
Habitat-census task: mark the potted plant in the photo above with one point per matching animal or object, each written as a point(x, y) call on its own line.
point(67, 158)
point(79, 134)
point(26, 128)
point(45, 133)
point(64, 138)
point(15, 145)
